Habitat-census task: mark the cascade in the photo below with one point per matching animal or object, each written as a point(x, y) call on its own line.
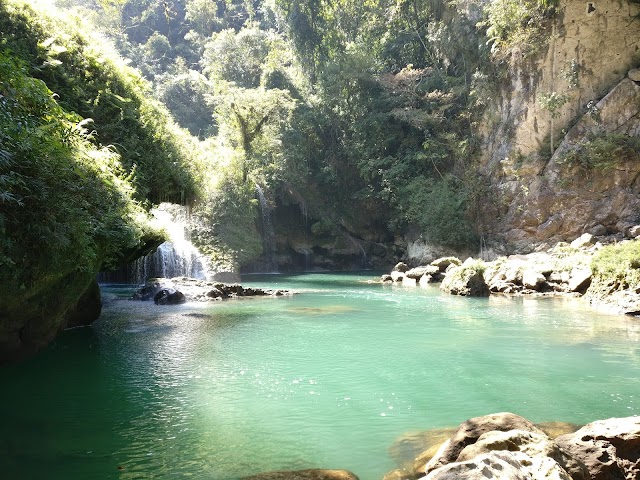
point(357, 244)
point(177, 257)
point(268, 235)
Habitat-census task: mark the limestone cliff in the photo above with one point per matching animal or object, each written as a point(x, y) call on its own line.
point(591, 49)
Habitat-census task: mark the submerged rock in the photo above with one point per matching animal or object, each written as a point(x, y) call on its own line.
point(311, 474)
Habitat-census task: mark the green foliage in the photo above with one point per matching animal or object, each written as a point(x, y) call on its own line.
point(229, 236)
point(65, 205)
point(616, 267)
point(603, 151)
point(518, 25)
point(95, 85)
point(553, 102)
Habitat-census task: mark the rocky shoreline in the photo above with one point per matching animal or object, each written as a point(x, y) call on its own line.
point(507, 446)
point(175, 291)
point(564, 270)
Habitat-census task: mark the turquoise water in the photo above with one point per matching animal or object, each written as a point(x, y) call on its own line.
point(329, 378)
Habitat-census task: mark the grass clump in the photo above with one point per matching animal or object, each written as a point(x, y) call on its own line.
point(603, 152)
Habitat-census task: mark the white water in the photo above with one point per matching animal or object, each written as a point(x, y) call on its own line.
point(268, 235)
point(177, 257)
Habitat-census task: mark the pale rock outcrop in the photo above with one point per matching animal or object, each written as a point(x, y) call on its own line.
point(534, 445)
point(470, 431)
point(610, 449)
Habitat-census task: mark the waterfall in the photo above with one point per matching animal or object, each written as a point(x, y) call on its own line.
point(356, 243)
point(178, 257)
point(268, 235)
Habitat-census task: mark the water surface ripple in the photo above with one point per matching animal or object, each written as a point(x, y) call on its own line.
point(330, 378)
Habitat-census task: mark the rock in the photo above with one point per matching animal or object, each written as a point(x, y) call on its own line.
point(598, 230)
point(226, 277)
point(610, 449)
point(408, 282)
point(580, 280)
point(312, 474)
point(444, 262)
point(466, 280)
point(532, 279)
point(634, 74)
point(88, 308)
point(169, 296)
point(401, 267)
point(399, 474)
point(386, 278)
point(425, 280)
point(555, 428)
point(495, 465)
point(634, 231)
point(397, 276)
point(418, 272)
point(534, 445)
point(469, 432)
point(584, 240)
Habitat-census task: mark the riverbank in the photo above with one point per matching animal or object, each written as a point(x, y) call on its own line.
point(603, 271)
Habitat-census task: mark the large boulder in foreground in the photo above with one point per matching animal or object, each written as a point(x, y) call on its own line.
point(311, 474)
point(466, 280)
point(610, 449)
point(470, 431)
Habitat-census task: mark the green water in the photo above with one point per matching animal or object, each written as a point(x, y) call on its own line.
point(328, 378)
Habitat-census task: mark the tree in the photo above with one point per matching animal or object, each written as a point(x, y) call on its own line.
point(251, 119)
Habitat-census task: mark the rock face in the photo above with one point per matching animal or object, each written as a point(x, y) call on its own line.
point(88, 308)
point(590, 61)
point(609, 448)
point(312, 474)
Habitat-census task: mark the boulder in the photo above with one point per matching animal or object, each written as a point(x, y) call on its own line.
point(444, 262)
point(151, 288)
point(634, 74)
point(88, 308)
point(610, 449)
point(580, 280)
point(634, 231)
point(397, 276)
point(469, 432)
point(534, 445)
point(311, 474)
point(495, 465)
point(386, 278)
point(532, 279)
point(418, 272)
point(466, 280)
point(169, 296)
point(584, 240)
point(400, 267)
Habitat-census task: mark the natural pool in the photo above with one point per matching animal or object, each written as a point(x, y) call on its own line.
point(328, 378)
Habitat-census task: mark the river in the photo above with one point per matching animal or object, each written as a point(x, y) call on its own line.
point(328, 378)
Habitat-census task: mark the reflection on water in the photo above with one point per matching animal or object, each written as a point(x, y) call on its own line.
point(228, 389)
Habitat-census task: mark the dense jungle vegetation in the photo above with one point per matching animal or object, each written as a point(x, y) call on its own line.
point(360, 112)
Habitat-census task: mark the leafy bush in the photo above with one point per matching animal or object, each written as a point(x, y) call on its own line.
point(617, 267)
point(518, 25)
point(94, 84)
point(66, 210)
point(604, 151)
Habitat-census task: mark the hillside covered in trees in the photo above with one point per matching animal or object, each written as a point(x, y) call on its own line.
point(367, 131)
